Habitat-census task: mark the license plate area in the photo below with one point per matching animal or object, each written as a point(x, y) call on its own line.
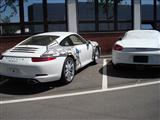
point(12, 70)
point(140, 59)
point(16, 59)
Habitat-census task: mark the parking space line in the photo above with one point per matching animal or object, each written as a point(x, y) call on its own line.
point(103, 89)
point(77, 93)
point(104, 77)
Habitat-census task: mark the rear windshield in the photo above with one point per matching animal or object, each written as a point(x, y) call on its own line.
point(141, 35)
point(40, 40)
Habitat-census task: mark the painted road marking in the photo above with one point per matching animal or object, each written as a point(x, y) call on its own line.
point(104, 77)
point(103, 89)
point(77, 93)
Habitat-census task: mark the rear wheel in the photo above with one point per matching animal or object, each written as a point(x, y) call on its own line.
point(68, 71)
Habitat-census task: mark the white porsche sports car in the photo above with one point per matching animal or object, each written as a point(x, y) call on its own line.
point(141, 47)
point(48, 57)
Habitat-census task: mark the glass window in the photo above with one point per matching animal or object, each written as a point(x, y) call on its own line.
point(86, 10)
point(124, 10)
point(56, 10)
point(106, 9)
point(158, 9)
point(86, 14)
point(66, 42)
point(30, 29)
point(57, 27)
point(146, 27)
point(40, 40)
point(106, 26)
point(106, 15)
point(124, 26)
point(9, 11)
point(76, 40)
point(33, 11)
point(10, 29)
point(86, 27)
point(147, 9)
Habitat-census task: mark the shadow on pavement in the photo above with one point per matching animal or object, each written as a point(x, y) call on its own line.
point(21, 87)
point(132, 72)
point(15, 86)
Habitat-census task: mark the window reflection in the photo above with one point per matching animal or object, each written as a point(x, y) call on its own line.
point(9, 11)
point(158, 9)
point(86, 10)
point(33, 11)
point(10, 29)
point(57, 27)
point(104, 15)
point(106, 9)
point(34, 28)
point(56, 10)
point(86, 14)
point(87, 27)
point(147, 9)
point(106, 26)
point(124, 6)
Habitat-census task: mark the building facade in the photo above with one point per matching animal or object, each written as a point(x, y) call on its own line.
point(101, 20)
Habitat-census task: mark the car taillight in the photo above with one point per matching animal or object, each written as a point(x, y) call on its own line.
point(1, 57)
point(118, 48)
point(41, 59)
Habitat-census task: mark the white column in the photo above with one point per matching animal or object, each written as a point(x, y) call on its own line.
point(72, 15)
point(137, 14)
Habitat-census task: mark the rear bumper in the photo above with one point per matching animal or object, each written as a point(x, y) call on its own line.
point(41, 71)
point(128, 58)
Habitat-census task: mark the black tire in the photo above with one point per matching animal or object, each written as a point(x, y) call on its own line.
point(68, 71)
point(96, 56)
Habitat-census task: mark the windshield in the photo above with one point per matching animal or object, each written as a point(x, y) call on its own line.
point(40, 40)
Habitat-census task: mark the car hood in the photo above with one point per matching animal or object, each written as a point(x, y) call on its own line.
point(140, 43)
point(26, 51)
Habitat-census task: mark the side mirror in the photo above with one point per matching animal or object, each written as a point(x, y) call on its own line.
point(88, 42)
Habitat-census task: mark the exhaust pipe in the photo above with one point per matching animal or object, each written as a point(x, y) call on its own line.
point(32, 82)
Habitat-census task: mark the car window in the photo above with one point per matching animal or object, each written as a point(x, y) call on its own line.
point(40, 40)
point(77, 40)
point(66, 42)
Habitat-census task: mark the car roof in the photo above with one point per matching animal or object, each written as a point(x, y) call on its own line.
point(61, 35)
point(144, 34)
point(56, 34)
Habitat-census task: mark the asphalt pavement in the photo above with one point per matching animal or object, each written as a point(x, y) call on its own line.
point(131, 94)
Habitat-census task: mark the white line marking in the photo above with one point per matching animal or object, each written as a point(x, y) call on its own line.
point(104, 77)
point(78, 93)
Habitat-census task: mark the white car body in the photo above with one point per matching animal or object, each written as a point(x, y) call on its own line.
point(24, 61)
point(141, 47)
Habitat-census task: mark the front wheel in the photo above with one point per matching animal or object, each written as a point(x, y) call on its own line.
point(68, 71)
point(96, 56)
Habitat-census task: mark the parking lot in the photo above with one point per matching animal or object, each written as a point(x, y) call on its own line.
point(97, 92)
